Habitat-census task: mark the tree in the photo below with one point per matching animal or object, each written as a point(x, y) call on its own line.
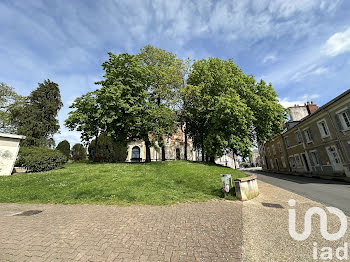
point(223, 108)
point(126, 110)
point(109, 150)
point(64, 148)
point(8, 97)
point(86, 118)
point(36, 117)
point(166, 76)
point(78, 152)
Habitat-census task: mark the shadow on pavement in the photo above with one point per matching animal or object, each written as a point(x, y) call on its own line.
point(298, 178)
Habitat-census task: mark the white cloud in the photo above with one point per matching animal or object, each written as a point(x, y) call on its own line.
point(269, 59)
point(337, 44)
point(287, 102)
point(312, 70)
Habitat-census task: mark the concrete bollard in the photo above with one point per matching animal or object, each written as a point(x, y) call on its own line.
point(246, 187)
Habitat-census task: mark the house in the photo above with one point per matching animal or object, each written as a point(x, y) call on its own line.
point(174, 149)
point(9, 146)
point(316, 141)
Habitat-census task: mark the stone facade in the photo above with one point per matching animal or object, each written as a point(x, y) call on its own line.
point(319, 144)
point(9, 146)
point(174, 149)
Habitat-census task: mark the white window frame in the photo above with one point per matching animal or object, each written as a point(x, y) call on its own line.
point(307, 136)
point(342, 120)
point(336, 151)
point(313, 156)
point(322, 129)
point(298, 160)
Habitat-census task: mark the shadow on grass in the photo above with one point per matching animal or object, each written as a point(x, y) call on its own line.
point(221, 194)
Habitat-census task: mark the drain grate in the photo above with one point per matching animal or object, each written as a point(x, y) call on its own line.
point(272, 205)
point(29, 213)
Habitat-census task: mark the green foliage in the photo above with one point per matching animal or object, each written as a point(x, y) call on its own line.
point(64, 148)
point(8, 97)
point(36, 117)
point(108, 149)
point(37, 159)
point(78, 152)
point(225, 109)
point(160, 183)
point(86, 118)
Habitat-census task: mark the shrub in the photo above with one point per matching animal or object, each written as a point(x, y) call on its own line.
point(64, 148)
point(78, 152)
point(37, 159)
point(108, 150)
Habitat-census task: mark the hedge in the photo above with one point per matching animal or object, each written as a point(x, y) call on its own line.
point(37, 159)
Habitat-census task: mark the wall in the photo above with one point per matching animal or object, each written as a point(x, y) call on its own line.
point(9, 146)
point(314, 154)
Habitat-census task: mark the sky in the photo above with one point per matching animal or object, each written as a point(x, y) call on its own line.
point(302, 47)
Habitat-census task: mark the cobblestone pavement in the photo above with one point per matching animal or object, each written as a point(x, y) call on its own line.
point(210, 231)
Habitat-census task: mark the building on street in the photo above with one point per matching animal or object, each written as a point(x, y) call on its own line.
point(315, 140)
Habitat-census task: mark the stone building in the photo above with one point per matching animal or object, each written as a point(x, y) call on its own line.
point(174, 149)
point(317, 142)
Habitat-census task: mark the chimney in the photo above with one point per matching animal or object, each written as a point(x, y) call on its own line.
point(311, 107)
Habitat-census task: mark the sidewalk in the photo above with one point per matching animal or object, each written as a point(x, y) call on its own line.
point(265, 229)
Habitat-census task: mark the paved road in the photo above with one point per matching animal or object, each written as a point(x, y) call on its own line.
point(330, 193)
point(210, 231)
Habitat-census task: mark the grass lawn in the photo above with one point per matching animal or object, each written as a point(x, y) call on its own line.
point(157, 183)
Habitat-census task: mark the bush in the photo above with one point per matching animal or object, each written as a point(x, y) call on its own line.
point(64, 148)
point(37, 159)
point(108, 150)
point(78, 152)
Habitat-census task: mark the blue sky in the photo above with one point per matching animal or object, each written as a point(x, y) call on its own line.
point(301, 47)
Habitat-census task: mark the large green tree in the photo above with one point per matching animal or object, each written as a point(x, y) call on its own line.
point(86, 118)
point(36, 117)
point(165, 78)
point(226, 109)
point(8, 97)
point(126, 109)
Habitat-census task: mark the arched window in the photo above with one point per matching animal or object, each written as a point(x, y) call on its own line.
point(135, 154)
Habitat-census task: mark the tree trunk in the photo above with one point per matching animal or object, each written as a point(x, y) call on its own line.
point(185, 151)
point(95, 149)
point(148, 150)
point(202, 149)
point(163, 153)
point(212, 159)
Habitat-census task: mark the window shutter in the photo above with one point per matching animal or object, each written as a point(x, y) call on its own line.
point(311, 160)
point(303, 135)
point(312, 138)
point(337, 119)
point(318, 157)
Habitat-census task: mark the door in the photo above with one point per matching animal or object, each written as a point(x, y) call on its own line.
point(178, 157)
point(334, 157)
point(307, 167)
point(135, 154)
